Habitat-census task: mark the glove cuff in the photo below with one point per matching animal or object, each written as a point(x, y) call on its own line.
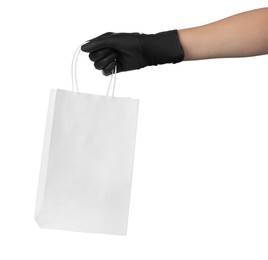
point(161, 48)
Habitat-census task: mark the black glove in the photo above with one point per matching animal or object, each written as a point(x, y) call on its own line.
point(130, 51)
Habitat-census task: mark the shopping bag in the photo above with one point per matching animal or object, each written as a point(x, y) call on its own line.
point(87, 162)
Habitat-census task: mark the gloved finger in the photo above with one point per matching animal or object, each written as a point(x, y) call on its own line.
point(102, 35)
point(100, 54)
point(97, 43)
point(106, 71)
point(100, 64)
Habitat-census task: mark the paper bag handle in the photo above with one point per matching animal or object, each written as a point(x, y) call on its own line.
point(74, 74)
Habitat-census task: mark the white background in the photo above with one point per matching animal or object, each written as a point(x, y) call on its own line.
point(200, 176)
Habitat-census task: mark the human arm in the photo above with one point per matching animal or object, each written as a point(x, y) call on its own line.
point(241, 35)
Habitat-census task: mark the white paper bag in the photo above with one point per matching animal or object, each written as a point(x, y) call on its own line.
point(87, 163)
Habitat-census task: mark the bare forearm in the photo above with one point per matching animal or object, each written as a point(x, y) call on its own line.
point(241, 35)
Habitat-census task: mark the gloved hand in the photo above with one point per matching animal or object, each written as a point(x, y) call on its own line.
point(130, 51)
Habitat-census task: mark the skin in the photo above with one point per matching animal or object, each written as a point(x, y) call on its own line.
point(241, 35)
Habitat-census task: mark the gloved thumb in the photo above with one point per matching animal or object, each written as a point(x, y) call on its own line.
point(97, 43)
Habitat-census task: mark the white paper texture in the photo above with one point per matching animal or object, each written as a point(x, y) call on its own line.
point(87, 163)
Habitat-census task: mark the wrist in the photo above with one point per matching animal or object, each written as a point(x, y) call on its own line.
point(161, 48)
